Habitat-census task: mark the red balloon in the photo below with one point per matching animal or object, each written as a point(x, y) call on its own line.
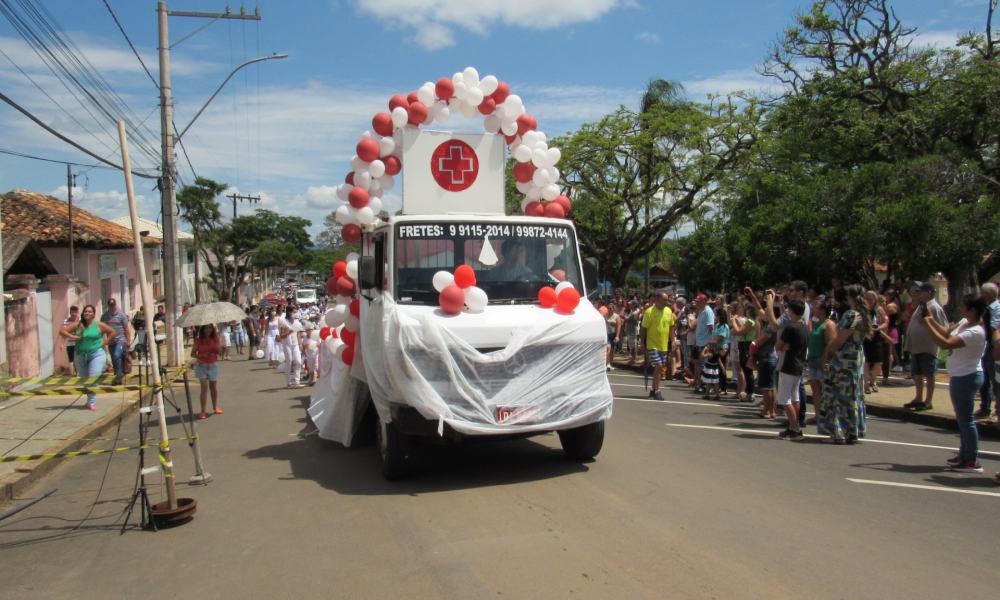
point(547, 297)
point(534, 209)
point(554, 211)
point(510, 138)
point(324, 333)
point(331, 286)
point(558, 274)
point(523, 171)
point(418, 112)
point(382, 124)
point(465, 276)
point(562, 201)
point(347, 356)
point(501, 93)
point(525, 123)
point(349, 180)
point(356, 308)
point(351, 233)
point(412, 97)
point(349, 337)
point(392, 165)
point(445, 89)
point(397, 101)
point(452, 299)
point(358, 197)
point(487, 106)
point(339, 268)
point(345, 286)
point(367, 149)
point(568, 300)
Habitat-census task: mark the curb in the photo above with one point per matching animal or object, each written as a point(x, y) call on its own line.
point(893, 412)
point(14, 484)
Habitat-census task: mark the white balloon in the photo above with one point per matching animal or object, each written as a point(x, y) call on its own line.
point(426, 94)
point(313, 344)
point(554, 174)
point(553, 155)
point(357, 164)
point(540, 178)
point(375, 204)
point(525, 203)
point(344, 215)
point(508, 127)
point(296, 326)
point(461, 90)
point(411, 126)
point(470, 110)
point(522, 153)
point(376, 168)
point(374, 193)
point(491, 124)
point(400, 116)
point(470, 77)
point(429, 119)
point(352, 268)
point(333, 343)
point(550, 192)
point(500, 112)
point(352, 256)
point(340, 351)
point(512, 105)
point(352, 324)
point(343, 299)
point(540, 138)
point(385, 147)
point(529, 139)
point(283, 367)
point(476, 299)
point(365, 216)
point(563, 285)
point(344, 191)
point(259, 354)
point(362, 179)
point(441, 112)
point(334, 318)
point(457, 78)
point(524, 187)
point(386, 182)
point(374, 187)
point(539, 158)
point(367, 134)
point(488, 84)
point(442, 279)
point(314, 335)
point(474, 96)
point(281, 357)
point(535, 193)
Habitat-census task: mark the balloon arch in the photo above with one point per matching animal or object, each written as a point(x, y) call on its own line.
point(379, 153)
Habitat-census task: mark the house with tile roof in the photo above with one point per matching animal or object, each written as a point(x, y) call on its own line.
point(191, 264)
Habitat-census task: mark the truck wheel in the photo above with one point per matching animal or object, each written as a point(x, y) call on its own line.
point(394, 450)
point(582, 443)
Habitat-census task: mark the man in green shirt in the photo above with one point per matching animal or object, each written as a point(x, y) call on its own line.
point(655, 336)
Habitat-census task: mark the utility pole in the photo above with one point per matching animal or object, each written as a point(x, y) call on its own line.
point(168, 187)
point(69, 196)
point(236, 197)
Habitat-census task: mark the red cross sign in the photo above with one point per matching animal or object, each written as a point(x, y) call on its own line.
point(454, 165)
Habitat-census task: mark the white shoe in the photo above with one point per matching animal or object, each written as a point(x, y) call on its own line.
point(897, 369)
point(610, 368)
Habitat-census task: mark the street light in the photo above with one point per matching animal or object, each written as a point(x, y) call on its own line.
point(222, 85)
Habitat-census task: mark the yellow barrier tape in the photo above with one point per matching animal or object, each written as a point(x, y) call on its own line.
point(34, 439)
point(76, 391)
point(25, 457)
point(69, 380)
point(165, 465)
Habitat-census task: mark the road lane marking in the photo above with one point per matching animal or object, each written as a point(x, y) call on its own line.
point(811, 435)
point(668, 402)
point(923, 487)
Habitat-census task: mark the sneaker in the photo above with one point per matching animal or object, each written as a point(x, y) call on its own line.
point(789, 434)
point(657, 395)
point(965, 467)
point(91, 407)
point(652, 393)
point(954, 460)
point(982, 413)
point(610, 368)
point(897, 369)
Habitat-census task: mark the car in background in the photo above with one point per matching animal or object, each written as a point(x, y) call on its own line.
point(305, 295)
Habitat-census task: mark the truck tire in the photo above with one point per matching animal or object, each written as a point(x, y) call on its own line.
point(394, 450)
point(583, 443)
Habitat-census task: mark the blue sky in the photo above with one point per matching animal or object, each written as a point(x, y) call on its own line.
point(286, 129)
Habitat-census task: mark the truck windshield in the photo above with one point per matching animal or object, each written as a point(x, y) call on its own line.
point(512, 261)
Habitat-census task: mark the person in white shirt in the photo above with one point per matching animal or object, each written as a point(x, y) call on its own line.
point(967, 343)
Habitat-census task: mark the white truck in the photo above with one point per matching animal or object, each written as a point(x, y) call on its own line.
point(512, 370)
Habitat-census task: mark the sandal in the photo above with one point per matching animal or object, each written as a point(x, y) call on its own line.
point(760, 416)
point(834, 441)
point(811, 421)
point(875, 388)
point(996, 479)
point(743, 397)
point(922, 407)
point(868, 389)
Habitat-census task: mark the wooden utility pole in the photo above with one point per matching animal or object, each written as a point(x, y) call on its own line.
point(236, 197)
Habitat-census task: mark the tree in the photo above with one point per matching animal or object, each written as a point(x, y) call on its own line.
point(330, 236)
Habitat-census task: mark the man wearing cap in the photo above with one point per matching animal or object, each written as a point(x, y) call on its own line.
point(991, 321)
point(703, 334)
point(922, 349)
point(118, 321)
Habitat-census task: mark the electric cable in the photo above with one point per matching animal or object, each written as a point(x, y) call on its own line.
point(120, 28)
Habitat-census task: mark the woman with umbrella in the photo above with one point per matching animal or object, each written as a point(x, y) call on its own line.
point(206, 350)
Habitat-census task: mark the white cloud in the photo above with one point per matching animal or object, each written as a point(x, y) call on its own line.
point(647, 37)
point(433, 21)
point(110, 204)
point(724, 83)
point(936, 39)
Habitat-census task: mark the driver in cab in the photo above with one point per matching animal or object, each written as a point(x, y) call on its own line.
point(514, 266)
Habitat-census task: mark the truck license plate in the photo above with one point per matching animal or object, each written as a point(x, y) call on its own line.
point(513, 414)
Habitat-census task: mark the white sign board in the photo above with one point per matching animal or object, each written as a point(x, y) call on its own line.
point(446, 172)
point(107, 265)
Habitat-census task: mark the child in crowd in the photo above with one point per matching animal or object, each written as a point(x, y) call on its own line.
point(710, 374)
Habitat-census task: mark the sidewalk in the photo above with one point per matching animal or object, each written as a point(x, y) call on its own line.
point(888, 402)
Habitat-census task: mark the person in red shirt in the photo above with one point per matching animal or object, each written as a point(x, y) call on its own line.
point(206, 349)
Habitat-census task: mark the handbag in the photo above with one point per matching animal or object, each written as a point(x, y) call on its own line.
point(751, 356)
point(126, 363)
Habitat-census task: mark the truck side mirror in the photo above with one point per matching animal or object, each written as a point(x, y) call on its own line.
point(366, 272)
point(590, 273)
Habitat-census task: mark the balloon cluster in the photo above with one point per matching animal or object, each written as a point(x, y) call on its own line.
point(459, 290)
point(343, 321)
point(565, 297)
point(379, 152)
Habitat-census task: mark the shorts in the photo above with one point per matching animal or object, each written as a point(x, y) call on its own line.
point(226, 340)
point(696, 353)
point(70, 352)
point(766, 372)
point(924, 364)
point(659, 357)
point(788, 389)
point(611, 339)
point(816, 369)
point(873, 351)
point(207, 371)
point(631, 340)
point(240, 338)
point(253, 340)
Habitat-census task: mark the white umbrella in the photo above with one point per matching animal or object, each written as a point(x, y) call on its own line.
point(213, 312)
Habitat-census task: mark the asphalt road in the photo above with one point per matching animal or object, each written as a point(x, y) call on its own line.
point(689, 499)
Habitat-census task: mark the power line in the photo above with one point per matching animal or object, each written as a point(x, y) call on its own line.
point(120, 28)
point(52, 160)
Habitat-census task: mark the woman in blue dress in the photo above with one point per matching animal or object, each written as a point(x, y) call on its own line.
point(842, 411)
